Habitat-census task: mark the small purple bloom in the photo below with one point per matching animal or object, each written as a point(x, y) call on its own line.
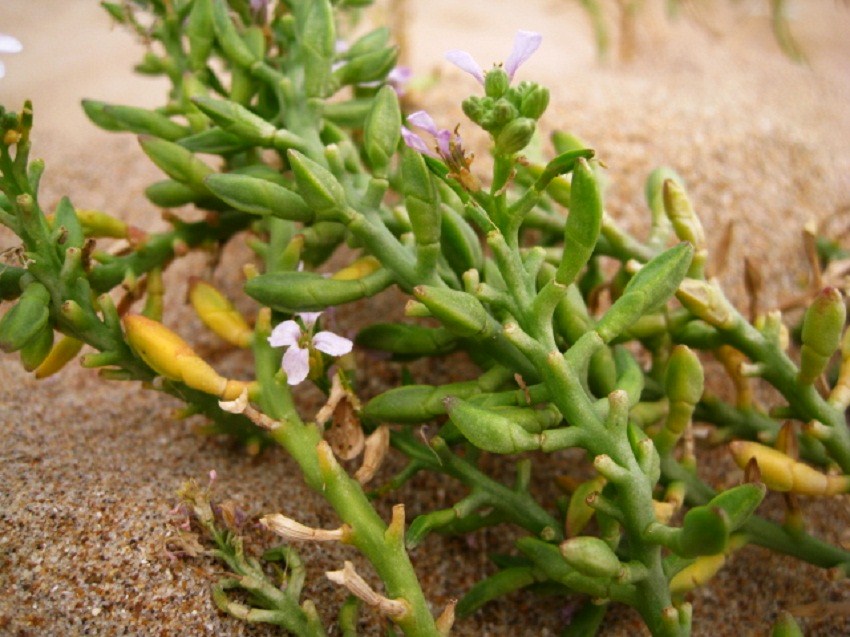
point(8, 44)
point(296, 359)
point(525, 44)
point(446, 140)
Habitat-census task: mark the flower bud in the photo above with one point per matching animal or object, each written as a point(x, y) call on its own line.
point(462, 313)
point(474, 109)
point(496, 82)
point(515, 136)
point(534, 102)
point(382, 131)
point(821, 336)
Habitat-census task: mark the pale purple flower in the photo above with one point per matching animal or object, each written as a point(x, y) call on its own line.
point(8, 44)
point(525, 44)
point(448, 147)
point(296, 359)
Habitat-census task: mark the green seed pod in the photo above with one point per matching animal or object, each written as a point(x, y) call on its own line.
point(407, 341)
point(319, 188)
point(706, 301)
point(26, 319)
point(739, 503)
point(534, 102)
point(421, 199)
point(311, 292)
point(561, 165)
point(821, 336)
point(515, 136)
point(460, 312)
point(683, 383)
point(214, 141)
point(235, 49)
point(171, 194)
point(461, 246)
point(10, 281)
point(591, 556)
point(648, 290)
point(237, 120)
point(369, 67)
point(259, 197)
point(654, 192)
point(133, 119)
point(686, 224)
point(373, 41)
point(317, 40)
point(487, 430)
point(37, 348)
point(177, 162)
point(382, 131)
point(199, 30)
point(583, 223)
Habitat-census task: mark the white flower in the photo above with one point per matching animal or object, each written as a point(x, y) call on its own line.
point(8, 44)
point(296, 359)
point(525, 44)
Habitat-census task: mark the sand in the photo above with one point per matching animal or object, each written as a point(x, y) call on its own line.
point(89, 469)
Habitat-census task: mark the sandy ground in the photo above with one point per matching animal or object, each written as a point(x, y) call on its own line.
point(89, 469)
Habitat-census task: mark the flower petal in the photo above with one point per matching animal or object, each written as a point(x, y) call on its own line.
point(525, 44)
point(309, 318)
point(465, 62)
point(444, 138)
point(421, 119)
point(414, 141)
point(9, 44)
point(332, 344)
point(296, 364)
point(285, 335)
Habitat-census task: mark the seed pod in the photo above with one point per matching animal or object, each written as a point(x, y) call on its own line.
point(382, 131)
point(781, 473)
point(461, 246)
point(199, 30)
point(462, 313)
point(686, 224)
point(318, 38)
point(176, 162)
point(648, 290)
point(218, 314)
point(821, 336)
point(583, 223)
point(488, 430)
point(259, 197)
point(62, 353)
point(319, 188)
point(591, 556)
point(26, 319)
point(407, 341)
point(171, 194)
point(706, 301)
point(235, 49)
point(308, 291)
point(369, 67)
point(515, 136)
point(37, 348)
point(421, 199)
point(169, 355)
